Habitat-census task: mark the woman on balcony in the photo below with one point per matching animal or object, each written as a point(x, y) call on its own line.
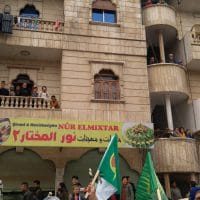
point(182, 132)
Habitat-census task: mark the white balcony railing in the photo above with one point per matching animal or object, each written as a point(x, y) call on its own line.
point(24, 102)
point(36, 24)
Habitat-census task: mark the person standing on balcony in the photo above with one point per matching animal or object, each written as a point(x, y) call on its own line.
point(182, 132)
point(12, 91)
point(171, 58)
point(189, 133)
point(44, 94)
point(54, 103)
point(3, 90)
point(17, 90)
point(35, 92)
point(175, 133)
point(24, 91)
point(152, 60)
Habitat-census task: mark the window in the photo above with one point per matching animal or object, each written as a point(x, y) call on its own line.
point(29, 11)
point(106, 16)
point(106, 85)
point(104, 11)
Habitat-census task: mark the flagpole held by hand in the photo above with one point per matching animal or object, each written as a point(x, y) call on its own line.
point(158, 194)
point(93, 182)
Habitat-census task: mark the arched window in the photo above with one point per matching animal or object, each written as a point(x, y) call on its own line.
point(106, 85)
point(29, 10)
point(104, 11)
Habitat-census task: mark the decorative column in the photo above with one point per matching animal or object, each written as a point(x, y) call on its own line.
point(169, 112)
point(59, 177)
point(167, 185)
point(161, 47)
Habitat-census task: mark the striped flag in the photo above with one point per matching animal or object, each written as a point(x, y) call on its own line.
point(149, 186)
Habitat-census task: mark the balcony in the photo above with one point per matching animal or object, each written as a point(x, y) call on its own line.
point(35, 32)
point(192, 46)
point(24, 102)
point(159, 14)
point(159, 17)
point(176, 155)
point(33, 24)
point(19, 106)
point(168, 78)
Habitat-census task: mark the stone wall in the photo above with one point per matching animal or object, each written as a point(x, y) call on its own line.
point(77, 80)
point(185, 22)
point(88, 46)
point(194, 81)
point(49, 9)
point(78, 20)
point(42, 73)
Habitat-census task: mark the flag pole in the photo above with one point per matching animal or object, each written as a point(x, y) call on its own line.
point(158, 194)
point(93, 181)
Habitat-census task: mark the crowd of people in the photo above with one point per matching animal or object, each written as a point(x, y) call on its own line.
point(170, 59)
point(150, 2)
point(25, 91)
point(193, 193)
point(180, 132)
point(77, 191)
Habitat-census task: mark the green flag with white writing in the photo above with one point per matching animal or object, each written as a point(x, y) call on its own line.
point(109, 182)
point(149, 186)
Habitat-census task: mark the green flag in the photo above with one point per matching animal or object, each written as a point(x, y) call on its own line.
point(149, 186)
point(109, 172)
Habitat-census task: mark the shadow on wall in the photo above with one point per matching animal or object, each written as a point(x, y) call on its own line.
point(27, 166)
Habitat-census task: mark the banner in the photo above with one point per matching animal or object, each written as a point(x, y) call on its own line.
point(63, 133)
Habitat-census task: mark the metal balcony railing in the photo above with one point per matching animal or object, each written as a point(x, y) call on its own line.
point(24, 102)
point(36, 24)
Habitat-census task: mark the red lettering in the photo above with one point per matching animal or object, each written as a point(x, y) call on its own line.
point(80, 127)
point(67, 126)
point(15, 133)
point(61, 126)
point(116, 128)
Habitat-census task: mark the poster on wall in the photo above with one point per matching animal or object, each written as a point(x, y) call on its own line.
point(64, 133)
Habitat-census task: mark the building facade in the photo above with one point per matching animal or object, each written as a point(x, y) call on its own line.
point(94, 56)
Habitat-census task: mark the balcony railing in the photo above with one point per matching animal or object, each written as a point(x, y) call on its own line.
point(196, 33)
point(36, 24)
point(161, 79)
point(24, 102)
